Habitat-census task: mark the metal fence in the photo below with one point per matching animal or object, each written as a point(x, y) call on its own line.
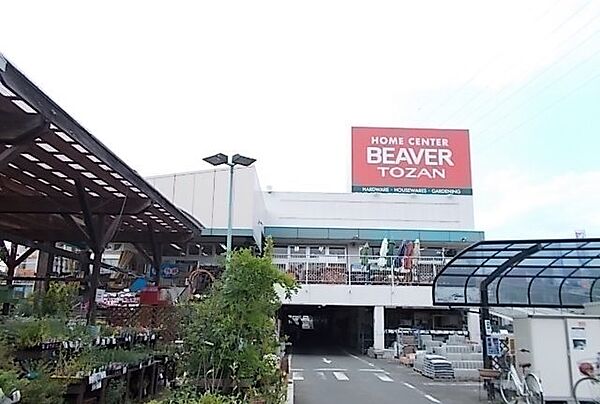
point(360, 270)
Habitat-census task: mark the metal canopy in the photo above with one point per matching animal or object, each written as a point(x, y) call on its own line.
point(527, 273)
point(57, 180)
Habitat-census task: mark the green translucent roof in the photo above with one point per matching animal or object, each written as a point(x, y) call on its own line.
point(530, 273)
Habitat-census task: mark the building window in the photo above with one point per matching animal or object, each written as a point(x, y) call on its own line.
point(317, 250)
point(298, 251)
point(337, 250)
point(279, 250)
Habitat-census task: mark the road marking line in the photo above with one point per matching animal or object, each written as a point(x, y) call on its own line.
point(435, 400)
point(341, 376)
point(466, 384)
point(297, 370)
point(410, 386)
point(297, 376)
point(374, 370)
point(322, 375)
point(330, 370)
point(327, 361)
point(384, 378)
point(360, 359)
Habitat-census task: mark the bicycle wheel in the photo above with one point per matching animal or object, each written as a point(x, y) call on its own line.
point(587, 390)
point(536, 395)
point(509, 391)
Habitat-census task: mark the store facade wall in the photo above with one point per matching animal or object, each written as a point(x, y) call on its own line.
point(365, 210)
point(203, 194)
point(361, 295)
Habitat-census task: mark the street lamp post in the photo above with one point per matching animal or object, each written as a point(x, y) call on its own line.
point(236, 159)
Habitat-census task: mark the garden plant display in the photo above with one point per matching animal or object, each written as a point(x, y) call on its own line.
point(229, 351)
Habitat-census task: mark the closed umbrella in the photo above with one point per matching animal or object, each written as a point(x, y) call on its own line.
point(417, 249)
point(408, 252)
point(383, 251)
point(416, 254)
point(363, 252)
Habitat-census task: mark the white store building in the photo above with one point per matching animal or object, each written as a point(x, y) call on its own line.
point(320, 239)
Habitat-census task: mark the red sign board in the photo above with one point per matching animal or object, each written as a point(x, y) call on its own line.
point(421, 161)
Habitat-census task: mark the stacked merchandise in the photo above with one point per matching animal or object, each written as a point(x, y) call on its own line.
point(407, 346)
point(456, 358)
point(466, 358)
point(433, 366)
point(429, 343)
point(419, 361)
point(408, 360)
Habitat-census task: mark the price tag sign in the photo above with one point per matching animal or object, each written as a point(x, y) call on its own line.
point(488, 327)
point(493, 346)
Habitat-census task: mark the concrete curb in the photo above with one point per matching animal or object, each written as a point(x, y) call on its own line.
point(290, 386)
point(290, 392)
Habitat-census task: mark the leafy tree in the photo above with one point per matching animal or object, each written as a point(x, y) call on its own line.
point(231, 334)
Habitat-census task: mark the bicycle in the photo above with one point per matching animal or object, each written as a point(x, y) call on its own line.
point(587, 389)
point(515, 389)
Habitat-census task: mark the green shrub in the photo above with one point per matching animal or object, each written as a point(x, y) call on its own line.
point(231, 333)
point(9, 381)
point(43, 390)
point(188, 396)
point(29, 332)
point(57, 301)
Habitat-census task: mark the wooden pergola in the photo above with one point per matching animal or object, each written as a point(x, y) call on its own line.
point(58, 183)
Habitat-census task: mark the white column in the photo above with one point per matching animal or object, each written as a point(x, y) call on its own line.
point(473, 327)
point(378, 327)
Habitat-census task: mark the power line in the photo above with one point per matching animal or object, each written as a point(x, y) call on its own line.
point(558, 101)
point(547, 86)
point(570, 17)
point(544, 71)
point(483, 68)
point(462, 107)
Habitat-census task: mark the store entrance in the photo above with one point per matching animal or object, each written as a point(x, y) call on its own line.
point(324, 329)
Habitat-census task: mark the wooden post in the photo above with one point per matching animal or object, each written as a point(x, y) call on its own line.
point(94, 287)
point(44, 269)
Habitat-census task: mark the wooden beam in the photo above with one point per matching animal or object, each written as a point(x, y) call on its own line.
point(4, 252)
point(87, 217)
point(45, 235)
point(81, 257)
point(11, 264)
point(156, 252)
point(110, 232)
point(140, 248)
point(12, 256)
point(66, 205)
point(44, 268)
point(70, 220)
point(43, 279)
point(24, 256)
point(22, 143)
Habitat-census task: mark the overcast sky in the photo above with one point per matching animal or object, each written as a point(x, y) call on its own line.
point(164, 84)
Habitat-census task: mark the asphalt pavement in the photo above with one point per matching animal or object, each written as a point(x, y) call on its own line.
point(340, 377)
